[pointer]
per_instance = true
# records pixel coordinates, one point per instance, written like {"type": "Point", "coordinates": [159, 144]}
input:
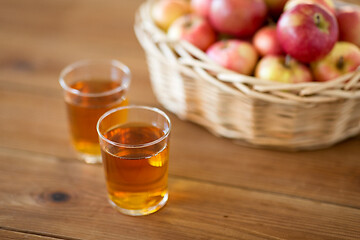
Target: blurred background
{"type": "Point", "coordinates": [37, 41]}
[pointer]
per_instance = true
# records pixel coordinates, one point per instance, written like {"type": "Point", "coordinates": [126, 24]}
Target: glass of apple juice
{"type": "Point", "coordinates": [135, 154]}
{"type": "Point", "coordinates": [92, 87]}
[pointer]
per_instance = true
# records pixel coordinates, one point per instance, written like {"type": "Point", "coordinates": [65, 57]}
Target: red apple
{"type": "Point", "coordinates": [201, 7]}
{"type": "Point", "coordinates": [237, 55]}
{"type": "Point", "coordinates": [165, 12]}
{"type": "Point", "coordinates": [307, 32]}
{"type": "Point", "coordinates": [349, 24]}
{"type": "Point", "coordinates": [237, 17]}
{"type": "Point", "coordinates": [266, 42]}
{"type": "Point", "coordinates": [281, 69]}
{"type": "Point", "coordinates": [194, 29]}
{"type": "Point", "coordinates": [344, 58]}
{"type": "Point", "coordinates": [327, 4]}
{"type": "Point", "coordinates": [275, 7]}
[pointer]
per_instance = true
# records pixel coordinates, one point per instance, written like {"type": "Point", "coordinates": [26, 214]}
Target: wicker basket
{"type": "Point", "coordinates": [266, 114]}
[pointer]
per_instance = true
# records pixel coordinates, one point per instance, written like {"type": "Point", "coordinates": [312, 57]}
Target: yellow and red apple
{"type": "Point", "coordinates": [266, 42]}
{"type": "Point", "coordinates": [194, 29]}
{"type": "Point", "coordinates": [282, 69]}
{"type": "Point", "coordinates": [344, 58]}
{"type": "Point", "coordinates": [240, 18]}
{"type": "Point", "coordinates": [165, 12]}
{"type": "Point", "coordinates": [327, 4]}
{"type": "Point", "coordinates": [237, 55]}
{"type": "Point", "coordinates": [307, 32]}
{"type": "Point", "coordinates": [201, 7]}
{"type": "Point", "coordinates": [349, 24]}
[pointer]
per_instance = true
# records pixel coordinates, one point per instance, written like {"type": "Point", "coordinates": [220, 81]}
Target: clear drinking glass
{"type": "Point", "coordinates": [135, 155]}
{"type": "Point", "coordinates": [92, 87]}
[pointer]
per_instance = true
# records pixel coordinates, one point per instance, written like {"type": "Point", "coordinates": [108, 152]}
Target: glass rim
{"type": "Point", "coordinates": [81, 63]}
{"type": "Point", "coordinates": [142, 145]}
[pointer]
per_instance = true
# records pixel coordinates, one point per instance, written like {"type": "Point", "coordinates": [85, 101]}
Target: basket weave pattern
{"type": "Point", "coordinates": [262, 113]}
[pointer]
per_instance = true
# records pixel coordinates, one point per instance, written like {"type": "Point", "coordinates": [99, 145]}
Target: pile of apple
{"type": "Point", "coordinates": [287, 41]}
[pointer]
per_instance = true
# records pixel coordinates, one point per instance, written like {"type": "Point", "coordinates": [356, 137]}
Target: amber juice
{"type": "Point", "coordinates": [84, 110]}
{"type": "Point", "coordinates": [136, 176]}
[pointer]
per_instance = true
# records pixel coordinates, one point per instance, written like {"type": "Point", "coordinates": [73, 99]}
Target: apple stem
{"type": "Point", "coordinates": [340, 63]}
{"type": "Point", "coordinates": [287, 61]}
{"type": "Point", "coordinates": [271, 22]}
{"type": "Point", "coordinates": [188, 24]}
{"type": "Point", "coordinates": [226, 44]}
{"type": "Point", "coordinates": [317, 20]}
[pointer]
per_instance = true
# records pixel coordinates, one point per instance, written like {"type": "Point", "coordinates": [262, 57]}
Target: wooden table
{"type": "Point", "coordinates": [218, 190]}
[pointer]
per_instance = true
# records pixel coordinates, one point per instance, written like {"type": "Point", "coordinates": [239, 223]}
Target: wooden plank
{"type": "Point", "coordinates": [38, 69]}
{"type": "Point", "coordinates": [37, 123]}
{"type": "Point", "coordinates": [196, 210]}
{"type": "Point", "coordinates": [35, 47]}
{"type": "Point", "coordinates": [11, 235]}
{"type": "Point", "coordinates": [34, 122]}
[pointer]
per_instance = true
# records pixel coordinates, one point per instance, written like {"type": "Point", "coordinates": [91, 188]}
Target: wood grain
{"type": "Point", "coordinates": [196, 210]}
{"type": "Point", "coordinates": [11, 235]}
{"type": "Point", "coordinates": [35, 47]}
{"type": "Point", "coordinates": [329, 175]}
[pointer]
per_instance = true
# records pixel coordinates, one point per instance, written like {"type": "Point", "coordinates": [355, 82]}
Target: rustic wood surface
{"type": "Point", "coordinates": [218, 190]}
{"type": "Point", "coordinates": [13, 235]}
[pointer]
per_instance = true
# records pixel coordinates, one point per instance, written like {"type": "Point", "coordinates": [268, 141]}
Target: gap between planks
{"type": "Point", "coordinates": [37, 234]}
